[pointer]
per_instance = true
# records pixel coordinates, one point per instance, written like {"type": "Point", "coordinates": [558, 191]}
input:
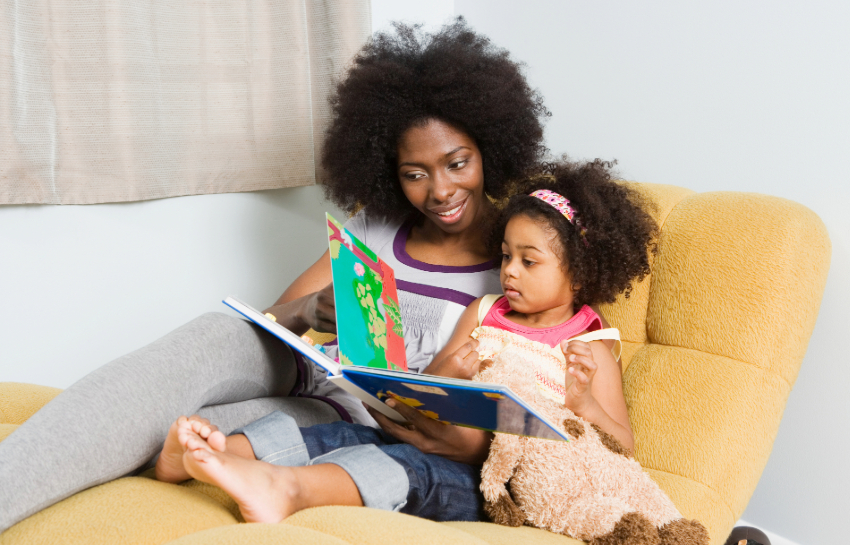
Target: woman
{"type": "Point", "coordinates": [425, 128]}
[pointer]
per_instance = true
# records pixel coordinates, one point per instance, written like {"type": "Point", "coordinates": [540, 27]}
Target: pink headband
{"type": "Point", "coordinates": [562, 205]}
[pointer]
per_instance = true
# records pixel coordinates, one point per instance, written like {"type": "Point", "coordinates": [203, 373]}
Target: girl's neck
{"type": "Point", "coordinates": [545, 318]}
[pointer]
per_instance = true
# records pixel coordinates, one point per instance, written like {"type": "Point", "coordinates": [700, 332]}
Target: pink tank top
{"type": "Point", "coordinates": [583, 320]}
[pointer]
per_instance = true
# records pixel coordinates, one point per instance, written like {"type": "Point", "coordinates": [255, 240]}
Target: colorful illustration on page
{"type": "Point", "coordinates": [368, 314]}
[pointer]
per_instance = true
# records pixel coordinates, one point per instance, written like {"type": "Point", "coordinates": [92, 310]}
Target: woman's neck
{"type": "Point", "coordinates": [428, 243]}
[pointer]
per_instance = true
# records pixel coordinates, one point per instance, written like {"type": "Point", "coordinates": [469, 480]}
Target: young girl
{"type": "Point", "coordinates": [571, 238]}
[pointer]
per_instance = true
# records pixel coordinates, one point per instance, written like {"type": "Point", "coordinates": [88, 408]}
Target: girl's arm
{"type": "Point", "coordinates": [595, 392]}
{"type": "Point", "coordinates": [458, 359]}
{"type": "Point", "coordinates": [308, 301]}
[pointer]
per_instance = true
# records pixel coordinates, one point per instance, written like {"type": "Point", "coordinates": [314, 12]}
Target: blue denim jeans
{"type": "Point", "coordinates": [389, 474]}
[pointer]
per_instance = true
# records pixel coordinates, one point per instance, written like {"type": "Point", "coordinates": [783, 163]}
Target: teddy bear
{"type": "Point", "coordinates": [589, 488]}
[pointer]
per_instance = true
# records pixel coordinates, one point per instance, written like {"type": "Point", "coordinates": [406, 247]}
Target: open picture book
{"type": "Point", "coordinates": [371, 362]}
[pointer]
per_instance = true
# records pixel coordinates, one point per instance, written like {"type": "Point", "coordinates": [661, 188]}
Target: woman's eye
{"type": "Point", "coordinates": [413, 176]}
{"type": "Point", "coordinates": [459, 164]}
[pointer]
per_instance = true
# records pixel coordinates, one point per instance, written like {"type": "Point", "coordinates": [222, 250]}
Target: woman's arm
{"type": "Point", "coordinates": [308, 301]}
{"type": "Point", "coordinates": [465, 445]}
{"type": "Point", "coordinates": [458, 359]}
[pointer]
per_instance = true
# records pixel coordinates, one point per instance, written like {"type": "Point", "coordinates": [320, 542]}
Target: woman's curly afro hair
{"type": "Point", "coordinates": [620, 234]}
{"type": "Point", "coordinates": [408, 77]}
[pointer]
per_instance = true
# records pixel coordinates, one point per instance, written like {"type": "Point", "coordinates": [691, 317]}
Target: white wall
{"type": "Point", "coordinates": [82, 285]}
{"type": "Point", "coordinates": [724, 95]}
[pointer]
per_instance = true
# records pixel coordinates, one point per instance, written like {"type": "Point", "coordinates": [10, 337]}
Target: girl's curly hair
{"type": "Point", "coordinates": [408, 77]}
{"type": "Point", "coordinates": [620, 233]}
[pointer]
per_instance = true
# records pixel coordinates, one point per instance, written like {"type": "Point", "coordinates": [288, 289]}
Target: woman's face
{"type": "Point", "coordinates": [441, 174]}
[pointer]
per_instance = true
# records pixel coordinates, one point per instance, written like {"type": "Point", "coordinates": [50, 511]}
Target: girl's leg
{"type": "Point", "coordinates": [388, 474]}
{"type": "Point", "coordinates": [334, 464]}
{"type": "Point", "coordinates": [439, 489]}
{"type": "Point", "coordinates": [265, 492]}
{"type": "Point", "coordinates": [115, 419]}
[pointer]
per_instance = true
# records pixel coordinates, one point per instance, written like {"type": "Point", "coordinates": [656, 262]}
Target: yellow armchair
{"type": "Point", "coordinates": [713, 341]}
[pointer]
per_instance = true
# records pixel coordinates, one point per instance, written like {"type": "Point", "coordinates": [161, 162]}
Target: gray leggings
{"type": "Point", "coordinates": [114, 421]}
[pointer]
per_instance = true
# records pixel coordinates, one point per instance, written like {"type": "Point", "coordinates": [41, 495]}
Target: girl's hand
{"type": "Point", "coordinates": [319, 310]}
{"type": "Point", "coordinates": [464, 445]}
{"type": "Point", "coordinates": [581, 368]}
{"type": "Point", "coordinates": [462, 363]}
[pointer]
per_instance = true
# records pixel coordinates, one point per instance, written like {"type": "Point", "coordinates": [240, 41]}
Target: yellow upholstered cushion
{"type": "Point", "coordinates": [362, 526]}
{"type": "Point", "coordinates": [697, 501]}
{"type": "Point", "coordinates": [132, 510]}
{"type": "Point", "coordinates": [704, 417]}
{"type": "Point", "coordinates": [502, 535]}
{"type": "Point", "coordinates": [740, 275]}
{"type": "Point", "coordinates": [258, 534]}
{"type": "Point", "coordinates": [20, 401]}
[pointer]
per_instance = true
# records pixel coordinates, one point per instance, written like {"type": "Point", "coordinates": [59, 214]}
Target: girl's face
{"type": "Point", "coordinates": [441, 174]}
{"type": "Point", "coordinates": [533, 277]}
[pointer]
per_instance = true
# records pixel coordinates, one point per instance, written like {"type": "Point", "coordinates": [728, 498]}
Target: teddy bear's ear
{"type": "Point", "coordinates": [573, 427]}
{"type": "Point", "coordinates": [611, 443]}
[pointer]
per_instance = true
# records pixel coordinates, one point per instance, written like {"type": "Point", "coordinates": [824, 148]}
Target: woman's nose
{"type": "Point", "coordinates": [442, 187]}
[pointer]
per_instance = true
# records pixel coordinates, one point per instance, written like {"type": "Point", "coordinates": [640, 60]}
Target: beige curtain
{"type": "Point", "coordinates": [126, 100]}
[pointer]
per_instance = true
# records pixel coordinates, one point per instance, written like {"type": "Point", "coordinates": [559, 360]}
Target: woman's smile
{"type": "Point", "coordinates": [450, 213]}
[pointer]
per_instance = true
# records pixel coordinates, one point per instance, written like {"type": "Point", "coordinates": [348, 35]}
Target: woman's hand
{"type": "Point", "coordinates": [319, 310]}
{"type": "Point", "coordinates": [462, 363]}
{"type": "Point", "coordinates": [581, 368]}
{"type": "Point", "coordinates": [464, 445]}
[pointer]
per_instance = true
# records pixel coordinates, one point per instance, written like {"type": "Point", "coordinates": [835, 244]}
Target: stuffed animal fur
{"type": "Point", "coordinates": [589, 488]}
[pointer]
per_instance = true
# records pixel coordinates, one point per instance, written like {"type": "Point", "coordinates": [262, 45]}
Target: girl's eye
{"type": "Point", "coordinates": [527, 262]}
{"type": "Point", "coordinates": [506, 257]}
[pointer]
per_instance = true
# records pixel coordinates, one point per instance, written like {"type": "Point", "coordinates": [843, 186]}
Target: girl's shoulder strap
{"type": "Point", "coordinates": [485, 305]}
{"type": "Point", "coordinates": [611, 333]}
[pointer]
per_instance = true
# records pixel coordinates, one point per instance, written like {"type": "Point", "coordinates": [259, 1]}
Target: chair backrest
{"type": "Point", "coordinates": [713, 341]}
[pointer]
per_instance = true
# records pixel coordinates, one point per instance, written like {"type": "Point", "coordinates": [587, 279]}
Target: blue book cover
{"type": "Point", "coordinates": [490, 407]}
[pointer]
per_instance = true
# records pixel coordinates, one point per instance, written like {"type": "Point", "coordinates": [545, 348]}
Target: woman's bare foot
{"type": "Point", "coordinates": [263, 492]}
{"type": "Point", "coordinates": [169, 466]}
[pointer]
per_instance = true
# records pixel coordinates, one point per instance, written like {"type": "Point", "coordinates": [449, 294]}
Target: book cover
{"type": "Point", "coordinates": [366, 302]}
{"type": "Point", "coordinates": [490, 407]}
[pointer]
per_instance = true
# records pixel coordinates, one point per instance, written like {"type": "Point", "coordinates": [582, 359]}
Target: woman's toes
{"type": "Point", "coordinates": [207, 430]}
{"type": "Point", "coordinates": [194, 443]}
{"type": "Point", "coordinates": [201, 455]}
{"type": "Point", "coordinates": [217, 441]}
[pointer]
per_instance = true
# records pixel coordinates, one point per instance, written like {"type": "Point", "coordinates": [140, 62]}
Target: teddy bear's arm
{"type": "Point", "coordinates": [505, 452]}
